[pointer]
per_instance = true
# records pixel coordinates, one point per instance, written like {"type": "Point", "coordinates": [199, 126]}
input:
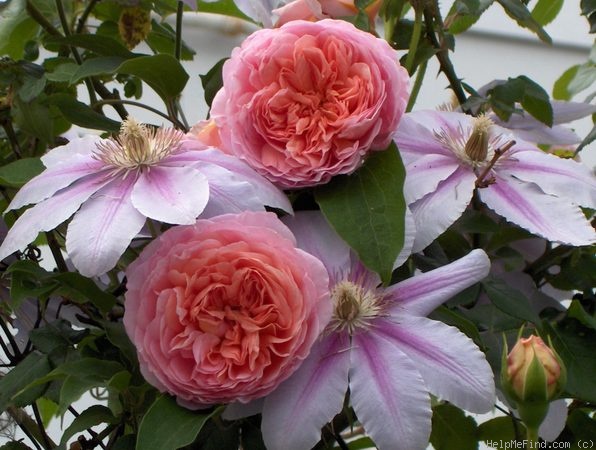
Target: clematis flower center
{"type": "Point", "coordinates": [472, 145]}
{"type": "Point", "coordinates": [354, 307]}
{"type": "Point", "coordinates": [138, 146]}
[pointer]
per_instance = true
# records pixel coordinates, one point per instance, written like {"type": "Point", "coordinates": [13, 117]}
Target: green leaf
{"type": "Point", "coordinates": [536, 101]}
{"type": "Point", "coordinates": [63, 73]}
{"type": "Point", "coordinates": [224, 7]}
{"type": "Point", "coordinates": [583, 79]}
{"type": "Point", "coordinates": [509, 300]}
{"type": "Point", "coordinates": [452, 429]}
{"type": "Point", "coordinates": [16, 28]}
{"type": "Point", "coordinates": [82, 115]}
{"type": "Point", "coordinates": [576, 345]}
{"type": "Point", "coordinates": [95, 415]}
{"type": "Point", "coordinates": [80, 289]}
{"type": "Point", "coordinates": [583, 427]}
{"type": "Point", "coordinates": [450, 317]}
{"type": "Point", "coordinates": [561, 86]}
{"type": "Point", "coordinates": [169, 426]}
{"type": "Point", "coordinates": [517, 10]}
{"type": "Point", "coordinates": [28, 281]}
{"type": "Point", "coordinates": [212, 81]}
{"type": "Point", "coordinates": [367, 209]}
{"type": "Point", "coordinates": [97, 43]}
{"type": "Point", "coordinates": [545, 11]}
{"type": "Point", "coordinates": [34, 118]}
{"type": "Point", "coordinates": [19, 172]}
{"type": "Point", "coordinates": [13, 384]}
{"type": "Point", "coordinates": [465, 13]}
{"type": "Point", "coordinates": [498, 429]}
{"type": "Point", "coordinates": [15, 445]}
{"type": "Point", "coordinates": [116, 334]}
{"type": "Point", "coordinates": [163, 73]}
{"type": "Point", "coordinates": [56, 337]}
{"type": "Point", "coordinates": [162, 39]}
{"type": "Point", "coordinates": [97, 66]}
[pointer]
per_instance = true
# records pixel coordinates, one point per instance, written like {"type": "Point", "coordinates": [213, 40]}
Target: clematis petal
{"type": "Point", "coordinates": [451, 365]}
{"type": "Point", "coordinates": [555, 420]}
{"type": "Point", "coordinates": [85, 145]}
{"type": "Point", "coordinates": [49, 213]}
{"type": "Point", "coordinates": [295, 412]}
{"type": "Point", "coordinates": [422, 293]}
{"type": "Point", "coordinates": [555, 176]}
{"type": "Point", "coordinates": [542, 134]}
{"type": "Point", "coordinates": [415, 136]}
{"type": "Point", "coordinates": [524, 204]}
{"type": "Point", "coordinates": [55, 178]}
{"type": "Point", "coordinates": [409, 238]}
{"type": "Point", "coordinates": [437, 211]}
{"type": "Point", "coordinates": [315, 236]}
{"type": "Point", "coordinates": [388, 394]}
{"type": "Point", "coordinates": [171, 194]}
{"type": "Point", "coordinates": [102, 229]}
{"type": "Point", "coordinates": [425, 173]}
{"type": "Point", "coordinates": [209, 159]}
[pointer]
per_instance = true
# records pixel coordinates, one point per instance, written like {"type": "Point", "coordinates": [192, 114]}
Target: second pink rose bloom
{"type": "Point", "coordinates": [308, 101]}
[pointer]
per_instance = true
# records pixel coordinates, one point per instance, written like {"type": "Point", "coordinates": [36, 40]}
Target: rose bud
{"type": "Point", "coordinates": [532, 375]}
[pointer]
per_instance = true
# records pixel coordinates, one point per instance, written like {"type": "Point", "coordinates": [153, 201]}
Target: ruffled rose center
{"type": "Point", "coordinates": [236, 314]}
{"type": "Point", "coordinates": [302, 112]}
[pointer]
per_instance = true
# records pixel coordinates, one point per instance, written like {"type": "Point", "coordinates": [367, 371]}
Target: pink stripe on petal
{"type": "Point", "coordinates": [424, 174]}
{"type": "Point", "coordinates": [422, 293]}
{"type": "Point", "coordinates": [524, 204]}
{"type": "Point", "coordinates": [171, 194]}
{"type": "Point", "coordinates": [555, 176]}
{"type": "Point", "coordinates": [451, 364]}
{"type": "Point", "coordinates": [388, 394]}
{"type": "Point", "coordinates": [52, 180]}
{"type": "Point", "coordinates": [295, 412]}
{"type": "Point", "coordinates": [102, 229]}
{"type": "Point", "coordinates": [50, 213]}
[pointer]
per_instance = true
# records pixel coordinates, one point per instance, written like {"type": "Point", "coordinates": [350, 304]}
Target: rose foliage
{"type": "Point", "coordinates": [315, 260]}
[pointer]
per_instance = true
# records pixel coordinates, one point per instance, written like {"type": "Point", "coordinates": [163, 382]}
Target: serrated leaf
{"type": "Point", "coordinates": [95, 415]}
{"type": "Point", "coordinates": [367, 209]}
{"type": "Point", "coordinates": [545, 11]}
{"type": "Point", "coordinates": [82, 115]}
{"type": "Point", "coordinates": [509, 300]}
{"type": "Point", "coordinates": [452, 429]}
{"type": "Point", "coordinates": [19, 172]}
{"type": "Point", "coordinates": [18, 378]}
{"type": "Point", "coordinates": [517, 10]}
{"type": "Point", "coordinates": [169, 426]}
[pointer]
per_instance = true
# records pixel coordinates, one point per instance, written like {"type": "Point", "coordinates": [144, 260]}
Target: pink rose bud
{"type": "Point", "coordinates": [532, 375]}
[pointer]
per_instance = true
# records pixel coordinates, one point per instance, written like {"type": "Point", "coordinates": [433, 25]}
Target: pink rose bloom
{"type": "Point", "coordinates": [314, 10]}
{"type": "Point", "coordinates": [226, 309]}
{"type": "Point", "coordinates": [309, 100]}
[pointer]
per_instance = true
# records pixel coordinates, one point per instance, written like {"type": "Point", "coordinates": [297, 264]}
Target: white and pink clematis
{"type": "Point", "coordinates": [380, 345]}
{"type": "Point", "coordinates": [449, 155]}
{"type": "Point", "coordinates": [144, 173]}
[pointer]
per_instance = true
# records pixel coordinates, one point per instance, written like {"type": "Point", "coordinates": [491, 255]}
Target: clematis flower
{"type": "Point", "coordinates": [380, 345]}
{"type": "Point", "coordinates": [144, 173]}
{"type": "Point", "coordinates": [323, 9]}
{"type": "Point", "coordinates": [449, 155]}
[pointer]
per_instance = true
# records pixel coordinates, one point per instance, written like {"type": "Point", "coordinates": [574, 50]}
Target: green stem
{"type": "Point", "coordinates": [56, 252]}
{"type": "Point", "coordinates": [119, 101]}
{"type": "Point", "coordinates": [46, 441]}
{"type": "Point", "coordinates": [414, 41]}
{"type": "Point", "coordinates": [532, 438]}
{"type": "Point", "coordinates": [179, 13]}
{"type": "Point", "coordinates": [430, 16]}
{"type": "Point", "coordinates": [83, 19]}
{"type": "Point", "coordinates": [12, 138]}
{"type": "Point", "coordinates": [417, 85]}
{"type": "Point", "coordinates": [41, 20]}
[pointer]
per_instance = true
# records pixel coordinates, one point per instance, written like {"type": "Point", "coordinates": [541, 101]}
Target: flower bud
{"type": "Point", "coordinates": [532, 375]}
{"type": "Point", "coordinates": [134, 25]}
